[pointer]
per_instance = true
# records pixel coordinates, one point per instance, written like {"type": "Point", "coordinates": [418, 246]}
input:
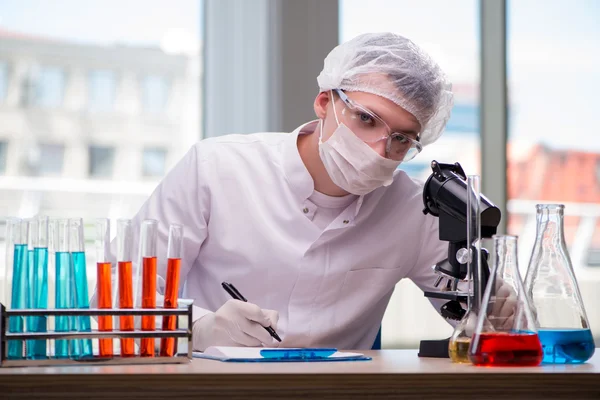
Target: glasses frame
{"type": "Point", "coordinates": [353, 105]}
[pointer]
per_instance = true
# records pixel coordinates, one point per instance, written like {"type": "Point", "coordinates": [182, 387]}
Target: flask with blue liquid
{"type": "Point", "coordinates": [551, 285]}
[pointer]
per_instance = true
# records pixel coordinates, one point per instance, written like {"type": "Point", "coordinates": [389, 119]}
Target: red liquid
{"type": "Point", "coordinates": [167, 345]}
{"type": "Point", "coordinates": [506, 349]}
{"type": "Point", "coordinates": [105, 301]}
{"type": "Point", "coordinates": [148, 301]}
{"type": "Point", "coordinates": [126, 301]}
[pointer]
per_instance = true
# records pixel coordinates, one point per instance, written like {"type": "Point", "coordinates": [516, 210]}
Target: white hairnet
{"type": "Point", "coordinates": [412, 79]}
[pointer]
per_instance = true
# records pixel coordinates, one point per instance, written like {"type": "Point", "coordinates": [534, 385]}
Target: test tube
{"type": "Point", "coordinates": [19, 230]}
{"type": "Point", "coordinates": [38, 280]}
{"type": "Point", "coordinates": [148, 235]}
{"type": "Point", "coordinates": [8, 258]}
{"type": "Point", "coordinates": [174, 253]}
{"type": "Point", "coordinates": [30, 322]}
{"type": "Point", "coordinates": [104, 282]}
{"type": "Point", "coordinates": [80, 283]}
{"type": "Point", "coordinates": [474, 242]}
{"type": "Point", "coordinates": [63, 297]}
{"type": "Point", "coordinates": [124, 263]}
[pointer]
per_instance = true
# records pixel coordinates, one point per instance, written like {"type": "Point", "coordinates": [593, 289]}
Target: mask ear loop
{"type": "Point", "coordinates": [333, 105]}
{"type": "Point", "coordinates": [320, 131]}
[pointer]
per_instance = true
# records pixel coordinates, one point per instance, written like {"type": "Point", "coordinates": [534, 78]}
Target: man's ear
{"type": "Point", "coordinates": [321, 103]}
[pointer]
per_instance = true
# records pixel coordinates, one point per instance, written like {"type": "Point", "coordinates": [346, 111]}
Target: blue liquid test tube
{"type": "Point", "coordinates": [79, 284]}
{"type": "Point", "coordinates": [38, 290]}
{"type": "Point", "coordinates": [17, 233]}
{"type": "Point", "coordinates": [62, 295]}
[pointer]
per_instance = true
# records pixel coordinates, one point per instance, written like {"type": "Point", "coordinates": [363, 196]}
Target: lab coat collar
{"type": "Point", "coordinates": [295, 171]}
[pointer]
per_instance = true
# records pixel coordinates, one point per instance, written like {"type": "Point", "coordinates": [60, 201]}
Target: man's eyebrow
{"type": "Point", "coordinates": [409, 132]}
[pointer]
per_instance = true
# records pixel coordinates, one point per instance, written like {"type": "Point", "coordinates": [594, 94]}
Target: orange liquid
{"type": "Point", "coordinates": [126, 301]}
{"type": "Point", "coordinates": [167, 345]}
{"type": "Point", "coordinates": [148, 301]}
{"type": "Point", "coordinates": [105, 301]}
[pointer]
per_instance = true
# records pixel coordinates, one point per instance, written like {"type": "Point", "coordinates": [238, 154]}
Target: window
{"type": "Point", "coordinates": [553, 143]}
{"type": "Point", "coordinates": [51, 159]}
{"type": "Point", "coordinates": [449, 32]}
{"type": "Point", "coordinates": [90, 57]}
{"type": "Point", "coordinates": [3, 156]}
{"type": "Point", "coordinates": [3, 80]}
{"type": "Point", "coordinates": [47, 86]}
{"type": "Point", "coordinates": [155, 93]}
{"type": "Point", "coordinates": [102, 161]}
{"type": "Point", "coordinates": [154, 162]}
{"type": "Point", "coordinates": [102, 89]}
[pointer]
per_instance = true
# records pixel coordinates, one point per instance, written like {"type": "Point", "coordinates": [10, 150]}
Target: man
{"type": "Point", "coordinates": [314, 227]}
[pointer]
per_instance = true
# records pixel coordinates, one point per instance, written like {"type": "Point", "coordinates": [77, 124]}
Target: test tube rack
{"type": "Point", "coordinates": [178, 358]}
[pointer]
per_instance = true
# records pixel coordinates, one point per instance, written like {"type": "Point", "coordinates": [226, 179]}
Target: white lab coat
{"type": "Point", "coordinates": [243, 200]}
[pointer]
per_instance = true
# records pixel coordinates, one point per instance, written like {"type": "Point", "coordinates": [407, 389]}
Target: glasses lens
{"type": "Point", "coordinates": [368, 127]}
{"type": "Point", "coordinates": [402, 148]}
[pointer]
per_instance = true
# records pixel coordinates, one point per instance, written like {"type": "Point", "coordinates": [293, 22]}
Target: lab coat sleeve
{"type": "Point", "coordinates": [432, 251]}
{"type": "Point", "coordinates": [182, 197]}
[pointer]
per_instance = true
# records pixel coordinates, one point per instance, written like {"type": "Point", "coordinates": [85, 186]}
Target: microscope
{"type": "Point", "coordinates": [445, 196]}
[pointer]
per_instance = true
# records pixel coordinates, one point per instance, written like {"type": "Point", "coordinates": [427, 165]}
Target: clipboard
{"type": "Point", "coordinates": [259, 354]}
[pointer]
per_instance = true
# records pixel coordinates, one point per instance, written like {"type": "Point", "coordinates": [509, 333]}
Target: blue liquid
{"type": "Point", "coordinates": [30, 291]}
{"type": "Point", "coordinates": [566, 346]}
{"type": "Point", "coordinates": [36, 349]}
{"type": "Point", "coordinates": [18, 300]}
{"type": "Point", "coordinates": [62, 299]}
{"type": "Point", "coordinates": [82, 300]}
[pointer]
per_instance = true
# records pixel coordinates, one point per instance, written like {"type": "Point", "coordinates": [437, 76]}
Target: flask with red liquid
{"type": "Point", "coordinates": [506, 333]}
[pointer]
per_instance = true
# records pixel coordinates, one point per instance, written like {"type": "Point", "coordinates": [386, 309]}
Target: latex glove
{"type": "Point", "coordinates": [504, 306]}
{"type": "Point", "coordinates": [236, 323]}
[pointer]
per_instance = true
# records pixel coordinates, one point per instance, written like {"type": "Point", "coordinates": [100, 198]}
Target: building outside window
{"type": "Point", "coordinates": [155, 93]}
{"type": "Point", "coordinates": [101, 161]}
{"type": "Point", "coordinates": [3, 80]}
{"type": "Point", "coordinates": [3, 155]}
{"type": "Point", "coordinates": [47, 86]}
{"type": "Point", "coordinates": [154, 161]}
{"type": "Point", "coordinates": [102, 87]}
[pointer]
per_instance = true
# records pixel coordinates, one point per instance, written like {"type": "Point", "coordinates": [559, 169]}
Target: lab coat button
{"type": "Point", "coordinates": [305, 210]}
{"type": "Point", "coordinates": [346, 221]}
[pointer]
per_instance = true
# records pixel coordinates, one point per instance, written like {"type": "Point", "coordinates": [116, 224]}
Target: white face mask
{"type": "Point", "coordinates": [352, 164]}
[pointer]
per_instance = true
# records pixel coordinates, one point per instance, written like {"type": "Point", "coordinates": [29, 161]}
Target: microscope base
{"type": "Point", "coordinates": [434, 348]}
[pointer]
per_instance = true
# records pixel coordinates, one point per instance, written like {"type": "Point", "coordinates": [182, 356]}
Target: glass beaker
{"type": "Point", "coordinates": [458, 346]}
{"type": "Point", "coordinates": [506, 333]}
{"type": "Point", "coordinates": [551, 285]}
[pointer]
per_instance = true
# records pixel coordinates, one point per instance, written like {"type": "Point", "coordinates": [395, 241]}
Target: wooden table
{"type": "Point", "coordinates": [391, 374]}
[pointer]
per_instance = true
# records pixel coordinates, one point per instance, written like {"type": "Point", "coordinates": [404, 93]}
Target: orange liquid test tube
{"type": "Point", "coordinates": [149, 234]}
{"type": "Point", "coordinates": [104, 279]}
{"type": "Point", "coordinates": [174, 253]}
{"type": "Point", "coordinates": [124, 264]}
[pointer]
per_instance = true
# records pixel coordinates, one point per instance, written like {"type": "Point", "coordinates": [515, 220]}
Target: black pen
{"type": "Point", "coordinates": [233, 292]}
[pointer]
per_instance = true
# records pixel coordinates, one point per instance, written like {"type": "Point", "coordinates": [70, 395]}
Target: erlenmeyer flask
{"type": "Point", "coordinates": [506, 333]}
{"type": "Point", "coordinates": [552, 288]}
